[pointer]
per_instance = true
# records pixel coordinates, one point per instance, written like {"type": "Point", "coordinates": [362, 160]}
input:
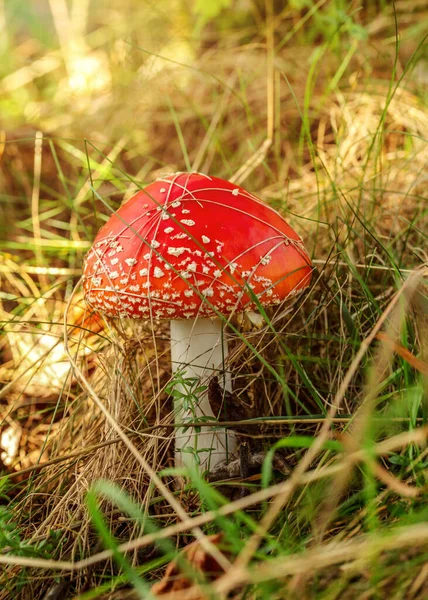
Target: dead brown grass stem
{"type": "Point", "coordinates": [270, 69]}
{"type": "Point", "coordinates": [35, 199]}
{"type": "Point", "coordinates": [417, 437]}
{"type": "Point", "coordinates": [251, 163]}
{"type": "Point", "coordinates": [392, 483]}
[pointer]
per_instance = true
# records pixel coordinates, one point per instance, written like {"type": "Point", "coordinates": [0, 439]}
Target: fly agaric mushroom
{"type": "Point", "coordinates": [190, 248]}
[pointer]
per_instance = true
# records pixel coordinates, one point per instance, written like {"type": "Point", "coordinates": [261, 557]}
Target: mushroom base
{"type": "Point", "coordinates": [198, 349]}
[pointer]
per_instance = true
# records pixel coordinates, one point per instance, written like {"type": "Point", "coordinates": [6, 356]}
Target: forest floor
{"type": "Point", "coordinates": [317, 108]}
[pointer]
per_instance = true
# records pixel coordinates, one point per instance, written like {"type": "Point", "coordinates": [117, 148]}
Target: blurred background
{"type": "Point", "coordinates": [287, 97]}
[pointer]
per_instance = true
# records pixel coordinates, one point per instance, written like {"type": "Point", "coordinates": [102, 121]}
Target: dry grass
{"type": "Point", "coordinates": [330, 129]}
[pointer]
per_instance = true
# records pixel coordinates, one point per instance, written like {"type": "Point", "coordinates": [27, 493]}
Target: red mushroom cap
{"type": "Point", "coordinates": [188, 244]}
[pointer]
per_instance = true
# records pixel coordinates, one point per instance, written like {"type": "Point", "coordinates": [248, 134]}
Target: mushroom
{"type": "Point", "coordinates": [194, 249]}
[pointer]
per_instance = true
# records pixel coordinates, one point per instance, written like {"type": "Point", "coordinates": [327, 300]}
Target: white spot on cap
{"type": "Point", "coordinates": [114, 274]}
{"type": "Point", "coordinates": [165, 216]}
{"type": "Point", "coordinates": [114, 261]}
{"type": "Point", "coordinates": [147, 256]}
{"type": "Point", "coordinates": [134, 288]}
{"type": "Point", "coordinates": [188, 293]}
{"type": "Point", "coordinates": [130, 261]}
{"type": "Point", "coordinates": [185, 211]}
{"type": "Point", "coordinates": [205, 239]}
{"type": "Point", "coordinates": [169, 230]}
{"type": "Point", "coordinates": [162, 190]}
{"type": "Point", "coordinates": [155, 244]}
{"type": "Point", "coordinates": [176, 251]}
{"type": "Point", "coordinates": [157, 272]}
{"type": "Point", "coordinates": [217, 273]}
{"type": "Point", "coordinates": [188, 222]}
{"type": "Point", "coordinates": [235, 192]}
{"type": "Point", "coordinates": [208, 292]}
{"type": "Point", "coordinates": [144, 272]}
{"type": "Point", "coordinates": [265, 260]}
{"type": "Point", "coordinates": [192, 267]}
{"type": "Point", "coordinates": [176, 203]}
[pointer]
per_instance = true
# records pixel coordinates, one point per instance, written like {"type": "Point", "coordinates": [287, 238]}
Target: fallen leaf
{"type": "Point", "coordinates": [199, 561]}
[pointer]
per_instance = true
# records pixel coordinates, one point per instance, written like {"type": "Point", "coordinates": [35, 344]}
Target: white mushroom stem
{"type": "Point", "coordinates": [198, 348]}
